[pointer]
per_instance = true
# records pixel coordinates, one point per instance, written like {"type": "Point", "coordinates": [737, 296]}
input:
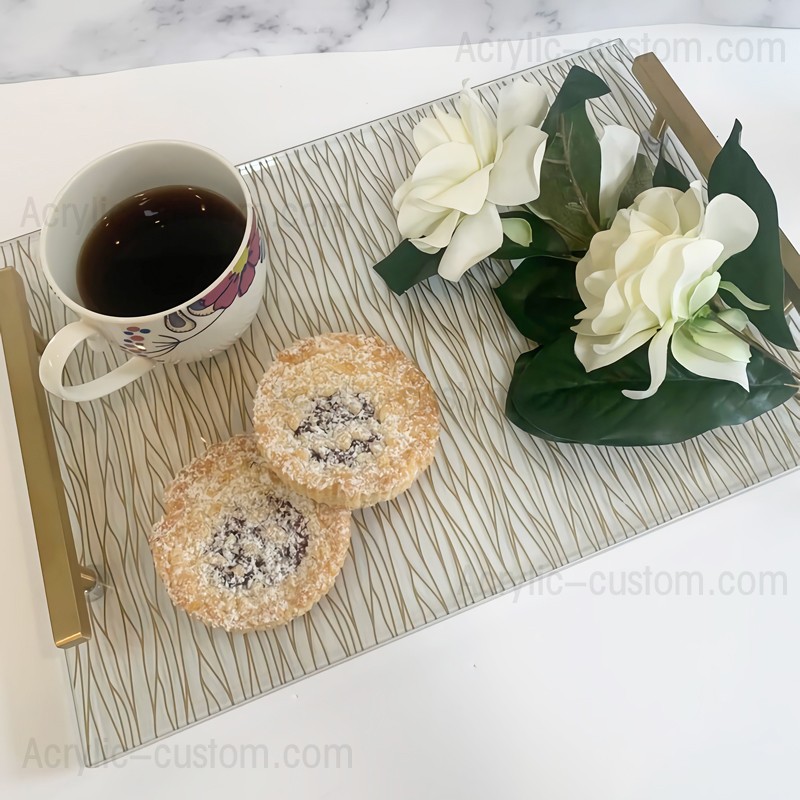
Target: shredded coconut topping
{"type": "Point", "coordinates": [340, 428]}
{"type": "Point", "coordinates": [243, 553]}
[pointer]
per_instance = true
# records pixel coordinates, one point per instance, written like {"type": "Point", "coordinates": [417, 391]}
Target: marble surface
{"type": "Point", "coordinates": [43, 38]}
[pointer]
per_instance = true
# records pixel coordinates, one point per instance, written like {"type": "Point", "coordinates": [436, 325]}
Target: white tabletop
{"type": "Point", "coordinates": [573, 689]}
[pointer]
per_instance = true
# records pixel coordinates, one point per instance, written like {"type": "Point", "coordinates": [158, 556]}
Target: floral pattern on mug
{"type": "Point", "coordinates": [239, 279]}
{"type": "Point", "coordinates": [134, 339]}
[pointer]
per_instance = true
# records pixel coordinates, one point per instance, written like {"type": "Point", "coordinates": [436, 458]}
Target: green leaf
{"type": "Point", "coordinates": [570, 179]}
{"type": "Point", "coordinates": [541, 297]}
{"type": "Point", "coordinates": [553, 397]}
{"type": "Point", "coordinates": [570, 176]}
{"type": "Point", "coordinates": [583, 157]}
{"type": "Point", "coordinates": [558, 201]}
{"type": "Point", "coordinates": [511, 410]}
{"type": "Point", "coordinates": [407, 266]}
{"type": "Point", "coordinates": [579, 86]}
{"type": "Point", "coordinates": [757, 271]}
{"type": "Point", "coordinates": [640, 180]}
{"type": "Point", "coordinates": [545, 239]}
{"type": "Point", "coordinates": [667, 175]}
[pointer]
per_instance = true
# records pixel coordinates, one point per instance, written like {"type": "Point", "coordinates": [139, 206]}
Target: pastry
{"type": "Point", "coordinates": [239, 550]}
{"type": "Point", "coordinates": [345, 419]}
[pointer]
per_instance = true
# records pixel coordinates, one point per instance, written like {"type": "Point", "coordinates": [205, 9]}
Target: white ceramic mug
{"type": "Point", "coordinates": [201, 326]}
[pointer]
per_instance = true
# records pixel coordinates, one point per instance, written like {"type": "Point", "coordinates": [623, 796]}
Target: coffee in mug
{"type": "Point", "coordinates": [175, 271]}
{"type": "Point", "coordinates": [157, 249]}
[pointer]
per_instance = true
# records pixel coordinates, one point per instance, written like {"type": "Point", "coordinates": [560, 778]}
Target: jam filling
{"type": "Point", "coordinates": [340, 428]}
{"type": "Point", "coordinates": [245, 554]}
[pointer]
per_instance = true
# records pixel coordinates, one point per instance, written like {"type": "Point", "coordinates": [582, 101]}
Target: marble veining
{"type": "Point", "coordinates": [40, 39]}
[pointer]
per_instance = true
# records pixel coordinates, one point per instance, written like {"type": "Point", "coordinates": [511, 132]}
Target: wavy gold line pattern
{"type": "Point", "coordinates": [497, 508]}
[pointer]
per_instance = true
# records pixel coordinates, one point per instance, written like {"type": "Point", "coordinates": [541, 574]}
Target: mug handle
{"type": "Point", "coordinates": [59, 349]}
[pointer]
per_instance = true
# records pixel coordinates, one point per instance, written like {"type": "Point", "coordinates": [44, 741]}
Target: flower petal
{"type": "Point", "coordinates": [720, 341]}
{"type": "Point", "coordinates": [520, 103]}
{"type": "Point", "coordinates": [640, 321]}
{"type": "Point", "coordinates": [699, 257]}
{"type": "Point", "coordinates": [657, 205]}
{"type": "Point", "coordinates": [479, 125]}
{"type": "Point", "coordinates": [467, 196]}
{"type": "Point", "coordinates": [422, 245]}
{"type": "Point", "coordinates": [418, 218]}
{"type": "Point", "coordinates": [734, 317]}
{"type": "Point", "coordinates": [224, 294]}
{"type": "Point", "coordinates": [618, 149]}
{"type": "Point", "coordinates": [178, 322]}
{"type": "Point", "coordinates": [419, 192]}
{"type": "Point", "coordinates": [596, 286]}
{"type": "Point", "coordinates": [591, 360]}
{"type": "Point", "coordinates": [452, 125]}
{"type": "Point", "coordinates": [660, 276]}
{"type": "Point", "coordinates": [657, 359]}
{"type": "Point", "coordinates": [440, 236]}
{"type": "Point", "coordinates": [708, 363]}
{"type": "Point", "coordinates": [730, 221]}
{"type": "Point", "coordinates": [429, 133]}
{"type": "Point", "coordinates": [476, 237]}
{"type": "Point", "coordinates": [246, 278]}
{"type": "Point", "coordinates": [691, 210]}
{"type": "Point", "coordinates": [703, 292]}
{"type": "Point", "coordinates": [727, 286]}
{"type": "Point", "coordinates": [518, 230]}
{"type": "Point", "coordinates": [451, 162]}
{"type": "Point", "coordinates": [514, 180]}
{"type": "Point", "coordinates": [401, 193]}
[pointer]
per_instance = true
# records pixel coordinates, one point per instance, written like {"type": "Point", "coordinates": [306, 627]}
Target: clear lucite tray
{"type": "Point", "coordinates": [497, 509]}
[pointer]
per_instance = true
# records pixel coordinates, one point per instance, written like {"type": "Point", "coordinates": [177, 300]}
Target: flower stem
{"type": "Point", "coordinates": [753, 343]}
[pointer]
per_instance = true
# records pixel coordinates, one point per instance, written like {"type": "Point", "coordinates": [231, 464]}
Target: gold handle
{"type": "Point", "coordinates": [673, 110]}
{"type": "Point", "coordinates": [66, 582]}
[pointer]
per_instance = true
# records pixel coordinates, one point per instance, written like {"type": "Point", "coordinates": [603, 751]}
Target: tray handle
{"type": "Point", "coordinates": [66, 582]}
{"type": "Point", "coordinates": [673, 110]}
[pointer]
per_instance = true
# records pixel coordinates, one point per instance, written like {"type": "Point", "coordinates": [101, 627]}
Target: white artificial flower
{"type": "Point", "coordinates": [619, 147]}
{"type": "Point", "coordinates": [650, 278]}
{"type": "Point", "coordinates": [470, 164]}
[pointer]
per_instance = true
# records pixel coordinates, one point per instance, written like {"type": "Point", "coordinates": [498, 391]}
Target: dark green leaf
{"type": "Point", "coordinates": [511, 411]}
{"type": "Point", "coordinates": [407, 266]}
{"type": "Point", "coordinates": [545, 238]}
{"type": "Point", "coordinates": [583, 156]}
{"type": "Point", "coordinates": [552, 396]}
{"type": "Point", "coordinates": [757, 271]}
{"type": "Point", "coordinates": [541, 297]}
{"type": "Point", "coordinates": [570, 179]}
{"type": "Point", "coordinates": [667, 175]}
{"type": "Point", "coordinates": [579, 86]}
{"type": "Point", "coordinates": [641, 179]}
{"type": "Point", "coordinates": [559, 201]}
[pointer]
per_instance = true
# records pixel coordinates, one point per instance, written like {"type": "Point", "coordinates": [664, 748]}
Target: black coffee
{"type": "Point", "coordinates": [157, 250]}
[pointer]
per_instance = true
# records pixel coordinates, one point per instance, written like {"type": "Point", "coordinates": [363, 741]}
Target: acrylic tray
{"type": "Point", "coordinates": [497, 509]}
